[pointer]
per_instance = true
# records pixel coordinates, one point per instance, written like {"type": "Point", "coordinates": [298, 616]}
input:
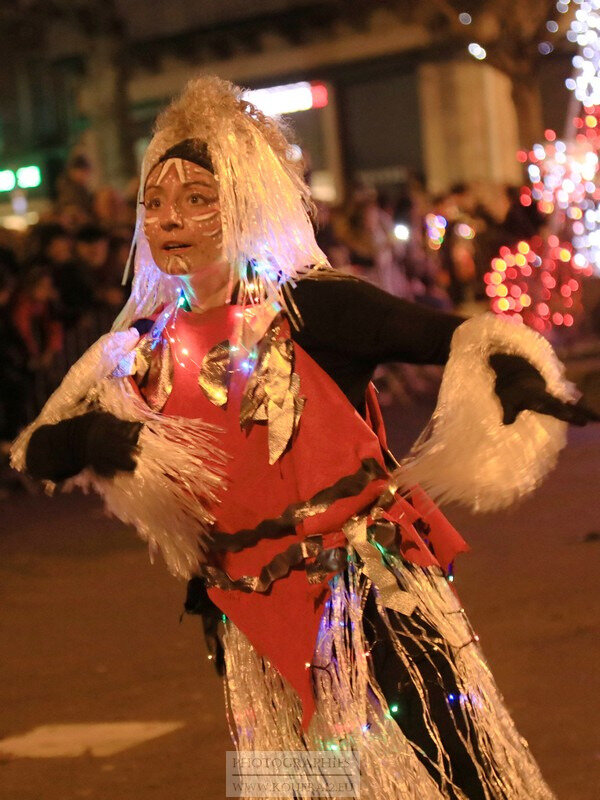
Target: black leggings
{"type": "Point", "coordinates": [433, 660]}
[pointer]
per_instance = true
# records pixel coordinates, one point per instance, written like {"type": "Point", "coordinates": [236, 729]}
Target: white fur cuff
{"type": "Point", "coordinates": [466, 454]}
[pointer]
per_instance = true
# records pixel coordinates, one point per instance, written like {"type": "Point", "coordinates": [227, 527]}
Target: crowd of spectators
{"type": "Point", "coordinates": [428, 249]}
{"type": "Point", "coordinates": [433, 250]}
{"type": "Point", "coordinates": [60, 280]}
{"type": "Point", "coordinates": [60, 288]}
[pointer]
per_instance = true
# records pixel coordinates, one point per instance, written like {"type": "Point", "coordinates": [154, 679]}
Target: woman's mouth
{"type": "Point", "coordinates": [175, 247]}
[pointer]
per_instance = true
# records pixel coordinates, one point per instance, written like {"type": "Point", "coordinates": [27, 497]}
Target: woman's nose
{"type": "Point", "coordinates": [171, 220]}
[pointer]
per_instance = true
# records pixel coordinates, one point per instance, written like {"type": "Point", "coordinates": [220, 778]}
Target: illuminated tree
{"type": "Point", "coordinates": [513, 36]}
{"type": "Point", "coordinates": [539, 283]}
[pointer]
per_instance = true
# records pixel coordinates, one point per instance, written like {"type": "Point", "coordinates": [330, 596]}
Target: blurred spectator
{"type": "Point", "coordinates": [367, 233]}
{"type": "Point", "coordinates": [72, 217]}
{"type": "Point", "coordinates": [93, 251]}
{"type": "Point", "coordinates": [91, 248]}
{"type": "Point", "coordinates": [8, 261]}
{"type": "Point", "coordinates": [97, 260]}
{"type": "Point", "coordinates": [14, 358]}
{"type": "Point", "coordinates": [34, 318]}
{"type": "Point", "coordinates": [110, 208]}
{"type": "Point", "coordinates": [325, 231]}
{"type": "Point", "coordinates": [457, 251]}
{"type": "Point", "coordinates": [72, 279]}
{"type": "Point", "coordinates": [73, 187]}
{"type": "Point", "coordinates": [113, 293]}
{"type": "Point", "coordinates": [56, 246]}
{"type": "Point", "coordinates": [521, 222]}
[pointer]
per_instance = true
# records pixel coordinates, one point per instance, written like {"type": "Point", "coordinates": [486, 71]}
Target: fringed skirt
{"type": "Point", "coordinates": [412, 695]}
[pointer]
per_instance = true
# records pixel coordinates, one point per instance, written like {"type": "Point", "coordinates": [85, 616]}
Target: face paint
{"type": "Point", "coordinates": [183, 220]}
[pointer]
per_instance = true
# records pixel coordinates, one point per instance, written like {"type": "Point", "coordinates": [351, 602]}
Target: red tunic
{"type": "Point", "coordinates": [332, 442]}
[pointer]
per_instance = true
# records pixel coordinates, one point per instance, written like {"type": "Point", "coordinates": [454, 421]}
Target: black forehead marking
{"type": "Point", "coordinates": [193, 150]}
{"type": "Point", "coordinates": [186, 183]}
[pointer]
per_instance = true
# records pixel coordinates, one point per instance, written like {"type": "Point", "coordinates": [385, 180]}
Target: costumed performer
{"type": "Point", "coordinates": [230, 417]}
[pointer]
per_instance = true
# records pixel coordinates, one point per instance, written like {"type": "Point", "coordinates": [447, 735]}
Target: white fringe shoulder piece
{"type": "Point", "coordinates": [179, 464]}
{"type": "Point", "coordinates": [466, 454]}
{"type": "Point", "coordinates": [71, 396]}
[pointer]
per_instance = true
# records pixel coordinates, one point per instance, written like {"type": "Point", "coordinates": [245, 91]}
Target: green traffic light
{"type": "Point", "coordinates": [29, 177]}
{"type": "Point", "coordinates": [7, 180]}
{"type": "Point", "coordinates": [25, 178]}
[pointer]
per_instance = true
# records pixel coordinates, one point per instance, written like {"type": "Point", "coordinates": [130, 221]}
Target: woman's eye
{"type": "Point", "coordinates": [196, 198]}
{"type": "Point", "coordinates": [154, 202]}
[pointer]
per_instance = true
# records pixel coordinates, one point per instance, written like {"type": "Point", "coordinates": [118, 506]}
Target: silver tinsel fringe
{"type": "Point", "coordinates": [351, 713]}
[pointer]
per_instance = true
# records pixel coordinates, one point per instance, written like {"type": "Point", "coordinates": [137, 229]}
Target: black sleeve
{"type": "Point", "coordinates": [353, 317]}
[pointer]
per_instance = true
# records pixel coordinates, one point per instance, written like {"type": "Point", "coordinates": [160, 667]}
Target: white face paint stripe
{"type": "Point", "coordinates": [178, 265]}
{"type": "Point", "coordinates": [179, 166]}
{"type": "Point", "coordinates": [206, 215]}
{"type": "Point", "coordinates": [212, 230]}
{"type": "Point", "coordinates": [163, 171]}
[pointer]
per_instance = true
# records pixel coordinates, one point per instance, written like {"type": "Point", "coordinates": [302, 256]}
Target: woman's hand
{"type": "Point", "coordinates": [520, 386]}
{"type": "Point", "coordinates": [97, 439]}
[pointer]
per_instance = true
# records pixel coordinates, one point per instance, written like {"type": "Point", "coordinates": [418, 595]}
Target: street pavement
{"type": "Point", "coordinates": [90, 636]}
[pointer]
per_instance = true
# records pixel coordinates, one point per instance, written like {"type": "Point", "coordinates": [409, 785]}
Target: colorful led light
{"type": "Point", "coordinates": [534, 283]}
{"type": "Point", "coordinates": [435, 227]}
{"type": "Point", "coordinates": [585, 31]}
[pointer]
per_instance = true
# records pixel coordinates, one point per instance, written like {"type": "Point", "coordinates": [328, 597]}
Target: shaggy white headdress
{"type": "Point", "coordinates": [268, 237]}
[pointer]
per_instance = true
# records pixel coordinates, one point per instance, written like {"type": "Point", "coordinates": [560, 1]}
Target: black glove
{"type": "Point", "coordinates": [96, 439]}
{"type": "Point", "coordinates": [520, 386]}
{"type": "Point", "coordinates": [198, 602]}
